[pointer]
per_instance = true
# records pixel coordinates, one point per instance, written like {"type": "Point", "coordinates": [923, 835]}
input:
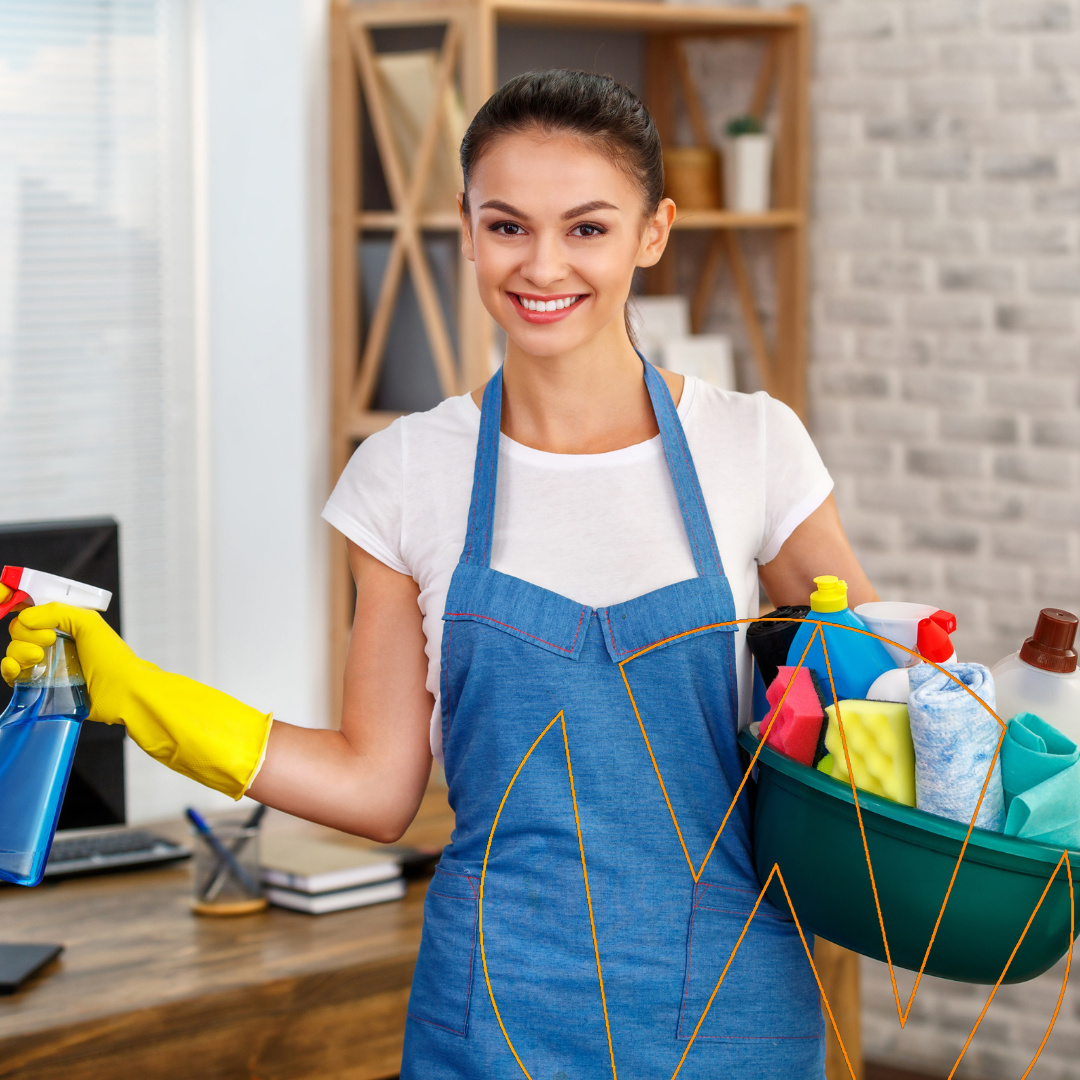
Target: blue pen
{"type": "Point", "coordinates": [220, 850]}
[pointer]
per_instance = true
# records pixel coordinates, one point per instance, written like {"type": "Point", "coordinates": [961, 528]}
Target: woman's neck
{"type": "Point", "coordinates": [590, 401]}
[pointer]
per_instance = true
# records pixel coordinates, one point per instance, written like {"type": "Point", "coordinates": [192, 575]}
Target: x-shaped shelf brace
{"type": "Point", "coordinates": [407, 196]}
{"type": "Point", "coordinates": [725, 241]}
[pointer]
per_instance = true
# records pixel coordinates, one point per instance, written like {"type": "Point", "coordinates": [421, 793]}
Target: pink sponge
{"type": "Point", "coordinates": [796, 731]}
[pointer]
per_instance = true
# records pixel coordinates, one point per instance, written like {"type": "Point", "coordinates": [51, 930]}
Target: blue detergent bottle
{"type": "Point", "coordinates": [39, 730]}
{"type": "Point", "coordinates": [856, 659]}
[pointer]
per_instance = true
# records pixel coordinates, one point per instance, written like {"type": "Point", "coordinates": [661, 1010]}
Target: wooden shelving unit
{"type": "Point", "coordinates": [467, 63]}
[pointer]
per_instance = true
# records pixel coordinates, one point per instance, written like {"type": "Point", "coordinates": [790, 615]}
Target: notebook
{"type": "Point", "coordinates": [320, 866]}
{"type": "Point", "coordinates": [339, 900]}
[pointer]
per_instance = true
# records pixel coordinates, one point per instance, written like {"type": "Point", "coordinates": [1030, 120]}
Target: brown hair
{"type": "Point", "coordinates": [595, 107]}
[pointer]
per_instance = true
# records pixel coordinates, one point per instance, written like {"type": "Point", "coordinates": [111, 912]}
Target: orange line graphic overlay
{"type": "Point", "coordinates": [902, 1013]}
{"type": "Point", "coordinates": [483, 875]}
{"type": "Point", "coordinates": [559, 718]}
{"type": "Point", "coordinates": [588, 897]}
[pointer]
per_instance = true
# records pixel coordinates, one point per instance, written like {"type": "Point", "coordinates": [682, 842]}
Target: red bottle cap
{"type": "Point", "coordinates": [933, 641]}
{"type": "Point", "coordinates": [1050, 648]}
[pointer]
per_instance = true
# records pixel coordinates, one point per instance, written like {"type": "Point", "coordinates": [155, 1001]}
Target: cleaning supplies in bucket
{"type": "Point", "coordinates": [879, 747]}
{"type": "Point", "coordinates": [1042, 678]}
{"type": "Point", "coordinates": [769, 638]}
{"type": "Point", "coordinates": [1040, 774]}
{"type": "Point", "coordinates": [921, 627]}
{"type": "Point", "coordinates": [955, 739]}
{"type": "Point", "coordinates": [793, 724]}
{"type": "Point", "coordinates": [856, 659]}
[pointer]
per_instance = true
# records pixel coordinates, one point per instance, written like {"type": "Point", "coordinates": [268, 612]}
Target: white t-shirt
{"type": "Point", "coordinates": [597, 528]}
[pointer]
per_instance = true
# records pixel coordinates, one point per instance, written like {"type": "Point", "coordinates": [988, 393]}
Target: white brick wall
{"type": "Point", "coordinates": [945, 371]}
{"type": "Point", "coordinates": [946, 302]}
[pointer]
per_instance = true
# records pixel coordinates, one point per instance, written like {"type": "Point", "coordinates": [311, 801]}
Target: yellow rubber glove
{"type": "Point", "coordinates": [191, 728]}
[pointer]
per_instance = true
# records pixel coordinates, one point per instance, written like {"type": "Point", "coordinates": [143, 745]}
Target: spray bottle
{"type": "Point", "coordinates": [40, 728]}
{"type": "Point", "coordinates": [856, 660]}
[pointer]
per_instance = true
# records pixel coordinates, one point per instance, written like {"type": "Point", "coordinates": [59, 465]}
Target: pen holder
{"type": "Point", "coordinates": [227, 886]}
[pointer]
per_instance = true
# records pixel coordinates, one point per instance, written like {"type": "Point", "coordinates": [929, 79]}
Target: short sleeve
{"type": "Point", "coordinates": [366, 504]}
{"type": "Point", "coordinates": [796, 480]}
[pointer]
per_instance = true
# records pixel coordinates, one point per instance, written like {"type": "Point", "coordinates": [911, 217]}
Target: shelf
{"type": "Point", "coordinates": [642, 15]}
{"type": "Point", "coordinates": [389, 220]}
{"type": "Point", "coordinates": [636, 15]}
{"type": "Point", "coordinates": [727, 219]}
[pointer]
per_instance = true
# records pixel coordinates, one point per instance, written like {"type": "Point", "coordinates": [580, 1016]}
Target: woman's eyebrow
{"type": "Point", "coordinates": [504, 207]}
{"type": "Point", "coordinates": [577, 211]}
{"type": "Point", "coordinates": [588, 208]}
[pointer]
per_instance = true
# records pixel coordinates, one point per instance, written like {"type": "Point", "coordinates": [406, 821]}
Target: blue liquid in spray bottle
{"type": "Point", "coordinates": [39, 731]}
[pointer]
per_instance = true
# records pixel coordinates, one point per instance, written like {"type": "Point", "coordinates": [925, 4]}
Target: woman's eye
{"type": "Point", "coordinates": [507, 228]}
{"type": "Point", "coordinates": [587, 230]}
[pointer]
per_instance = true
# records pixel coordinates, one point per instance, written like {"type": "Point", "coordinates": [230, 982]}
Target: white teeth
{"type": "Point", "coordinates": [548, 305]}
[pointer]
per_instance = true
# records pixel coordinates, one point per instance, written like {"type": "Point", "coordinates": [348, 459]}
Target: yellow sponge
{"type": "Point", "coordinates": [879, 745]}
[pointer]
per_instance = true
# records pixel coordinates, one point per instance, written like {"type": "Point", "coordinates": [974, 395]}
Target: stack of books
{"type": "Point", "coordinates": [317, 876]}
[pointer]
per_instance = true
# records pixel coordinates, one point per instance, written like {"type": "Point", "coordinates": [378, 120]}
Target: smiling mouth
{"type": "Point", "coordinates": [547, 305]}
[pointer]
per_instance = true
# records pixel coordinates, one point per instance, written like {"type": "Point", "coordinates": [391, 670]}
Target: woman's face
{"type": "Point", "coordinates": [555, 231]}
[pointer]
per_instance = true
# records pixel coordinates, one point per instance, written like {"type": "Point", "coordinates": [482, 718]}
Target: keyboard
{"type": "Point", "coordinates": [120, 850]}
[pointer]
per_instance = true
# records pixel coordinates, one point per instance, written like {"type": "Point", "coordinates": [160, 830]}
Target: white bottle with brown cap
{"type": "Point", "coordinates": [1042, 677]}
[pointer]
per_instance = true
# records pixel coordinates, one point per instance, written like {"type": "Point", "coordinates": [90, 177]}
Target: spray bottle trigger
{"type": "Point", "coordinates": [933, 640]}
{"type": "Point", "coordinates": [15, 602]}
{"type": "Point", "coordinates": [946, 620]}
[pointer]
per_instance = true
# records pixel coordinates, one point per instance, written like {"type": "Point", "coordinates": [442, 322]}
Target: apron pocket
{"type": "Point", "coordinates": [442, 981]}
{"type": "Point", "coordinates": [769, 992]}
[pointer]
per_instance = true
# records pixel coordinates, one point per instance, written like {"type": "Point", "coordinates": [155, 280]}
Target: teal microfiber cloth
{"type": "Point", "coordinates": [1040, 773]}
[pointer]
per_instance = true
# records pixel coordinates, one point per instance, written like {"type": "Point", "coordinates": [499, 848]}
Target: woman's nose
{"type": "Point", "coordinates": [544, 263]}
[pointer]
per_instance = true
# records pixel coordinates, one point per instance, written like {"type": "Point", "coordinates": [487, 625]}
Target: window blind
{"type": "Point", "coordinates": [94, 414]}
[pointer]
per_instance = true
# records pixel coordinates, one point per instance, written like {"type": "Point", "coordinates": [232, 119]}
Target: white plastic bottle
{"type": "Point", "coordinates": [1042, 678]}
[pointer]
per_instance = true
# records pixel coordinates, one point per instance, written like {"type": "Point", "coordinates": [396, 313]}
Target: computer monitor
{"type": "Point", "coordinates": [87, 550]}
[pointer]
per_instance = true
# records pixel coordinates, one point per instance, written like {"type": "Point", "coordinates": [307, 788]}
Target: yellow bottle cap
{"type": "Point", "coordinates": [831, 594]}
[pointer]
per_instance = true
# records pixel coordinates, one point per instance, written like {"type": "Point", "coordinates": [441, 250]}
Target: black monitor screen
{"type": "Point", "coordinates": [86, 550]}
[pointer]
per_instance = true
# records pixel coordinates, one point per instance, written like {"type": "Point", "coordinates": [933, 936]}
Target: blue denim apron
{"type": "Point", "coordinates": [578, 923]}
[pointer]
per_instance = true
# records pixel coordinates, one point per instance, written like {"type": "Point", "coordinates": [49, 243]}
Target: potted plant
{"type": "Point", "coordinates": [748, 166]}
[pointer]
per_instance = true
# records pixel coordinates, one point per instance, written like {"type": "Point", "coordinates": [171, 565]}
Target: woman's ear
{"type": "Point", "coordinates": [466, 229]}
{"type": "Point", "coordinates": [654, 238]}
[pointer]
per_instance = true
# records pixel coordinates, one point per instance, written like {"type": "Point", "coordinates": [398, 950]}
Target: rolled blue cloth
{"type": "Point", "coordinates": [1040, 771]}
{"type": "Point", "coordinates": [955, 739]}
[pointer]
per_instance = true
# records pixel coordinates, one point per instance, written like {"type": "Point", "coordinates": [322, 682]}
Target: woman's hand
{"type": "Point", "coordinates": [191, 728]}
{"type": "Point", "coordinates": [369, 777]}
{"type": "Point", "coordinates": [818, 546]}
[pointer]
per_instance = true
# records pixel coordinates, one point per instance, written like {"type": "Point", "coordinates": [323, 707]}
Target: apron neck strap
{"type": "Point", "coordinates": [699, 531]}
{"type": "Point", "coordinates": [684, 476]}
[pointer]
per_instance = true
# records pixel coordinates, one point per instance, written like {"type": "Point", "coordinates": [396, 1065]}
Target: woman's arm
{"type": "Point", "coordinates": [369, 777]}
{"type": "Point", "coordinates": [818, 546]}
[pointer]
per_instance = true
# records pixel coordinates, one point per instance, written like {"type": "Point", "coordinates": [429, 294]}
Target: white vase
{"type": "Point", "coordinates": [747, 173]}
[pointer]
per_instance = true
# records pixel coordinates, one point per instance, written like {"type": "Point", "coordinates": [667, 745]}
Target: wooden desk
{"type": "Point", "coordinates": [146, 989]}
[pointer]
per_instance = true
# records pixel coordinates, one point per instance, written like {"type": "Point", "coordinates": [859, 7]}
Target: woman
{"type": "Point", "coordinates": [576, 609]}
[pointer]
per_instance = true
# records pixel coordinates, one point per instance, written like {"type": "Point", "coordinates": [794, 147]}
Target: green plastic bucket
{"type": "Point", "coordinates": [805, 822]}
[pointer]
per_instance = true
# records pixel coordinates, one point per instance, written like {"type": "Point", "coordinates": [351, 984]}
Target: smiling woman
{"type": "Point", "coordinates": [549, 573]}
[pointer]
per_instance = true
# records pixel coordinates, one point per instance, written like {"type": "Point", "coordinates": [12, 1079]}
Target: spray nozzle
{"type": "Point", "coordinates": [933, 641]}
{"type": "Point", "coordinates": [32, 587]}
